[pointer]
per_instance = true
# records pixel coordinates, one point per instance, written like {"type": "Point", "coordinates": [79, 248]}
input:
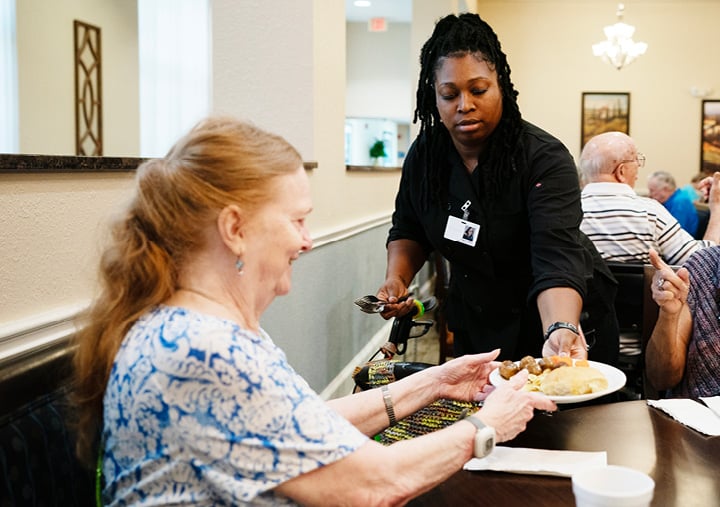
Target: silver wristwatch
{"type": "Point", "coordinates": [484, 437]}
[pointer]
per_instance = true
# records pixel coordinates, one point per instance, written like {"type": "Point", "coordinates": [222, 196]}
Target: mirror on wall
{"type": "Point", "coordinates": [379, 83]}
{"type": "Point", "coordinates": [152, 52]}
{"type": "Point", "coordinates": [45, 74]}
{"type": "Point", "coordinates": [375, 142]}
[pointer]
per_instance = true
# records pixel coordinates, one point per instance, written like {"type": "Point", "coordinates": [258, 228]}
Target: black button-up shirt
{"type": "Point", "coordinates": [528, 241]}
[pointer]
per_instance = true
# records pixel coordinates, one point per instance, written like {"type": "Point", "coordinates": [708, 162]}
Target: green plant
{"type": "Point", "coordinates": [377, 150]}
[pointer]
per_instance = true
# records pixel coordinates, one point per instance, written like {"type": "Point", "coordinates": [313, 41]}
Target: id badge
{"type": "Point", "coordinates": [462, 231]}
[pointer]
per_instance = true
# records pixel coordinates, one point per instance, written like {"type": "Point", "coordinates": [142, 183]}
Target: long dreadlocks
{"type": "Point", "coordinates": [456, 36]}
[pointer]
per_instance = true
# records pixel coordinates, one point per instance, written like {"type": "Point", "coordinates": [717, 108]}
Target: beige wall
{"type": "Point", "coordinates": [549, 49]}
{"type": "Point", "coordinates": [50, 226]}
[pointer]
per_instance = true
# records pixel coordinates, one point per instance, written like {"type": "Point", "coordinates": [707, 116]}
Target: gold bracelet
{"type": "Point", "coordinates": [388, 405]}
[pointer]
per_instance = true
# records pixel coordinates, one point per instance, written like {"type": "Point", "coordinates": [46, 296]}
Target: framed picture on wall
{"type": "Point", "coordinates": [710, 142]}
{"type": "Point", "coordinates": [604, 112]}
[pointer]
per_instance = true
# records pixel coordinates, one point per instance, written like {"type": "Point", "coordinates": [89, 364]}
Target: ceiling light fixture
{"type": "Point", "coordinates": [619, 49]}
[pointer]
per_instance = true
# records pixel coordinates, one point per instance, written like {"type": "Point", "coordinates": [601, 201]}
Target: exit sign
{"type": "Point", "coordinates": [377, 25]}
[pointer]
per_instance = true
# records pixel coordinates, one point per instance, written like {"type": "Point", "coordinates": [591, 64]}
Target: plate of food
{"type": "Point", "coordinates": [562, 379]}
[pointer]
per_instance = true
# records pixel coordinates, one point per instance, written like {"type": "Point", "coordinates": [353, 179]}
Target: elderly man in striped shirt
{"type": "Point", "coordinates": [624, 226]}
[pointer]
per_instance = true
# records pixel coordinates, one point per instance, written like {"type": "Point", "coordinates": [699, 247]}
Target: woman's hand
{"type": "Point", "coordinates": [562, 304]}
{"type": "Point", "coordinates": [466, 377]}
{"type": "Point", "coordinates": [392, 290]}
{"type": "Point", "coordinates": [564, 342]}
{"type": "Point", "coordinates": [709, 189]}
{"type": "Point", "coordinates": [508, 409]}
{"type": "Point", "coordinates": [669, 288]}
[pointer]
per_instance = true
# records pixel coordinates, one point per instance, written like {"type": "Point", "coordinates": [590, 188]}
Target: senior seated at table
{"type": "Point", "coordinates": [683, 354]}
{"type": "Point", "coordinates": [679, 202]}
{"type": "Point", "coordinates": [624, 226]}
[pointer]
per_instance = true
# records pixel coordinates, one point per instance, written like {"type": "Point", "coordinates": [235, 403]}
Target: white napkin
{"type": "Point", "coordinates": [713, 403]}
{"type": "Point", "coordinates": [690, 413]}
{"type": "Point", "coordinates": [521, 460]}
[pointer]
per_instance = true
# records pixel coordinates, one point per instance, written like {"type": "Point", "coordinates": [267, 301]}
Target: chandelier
{"type": "Point", "coordinates": [619, 49]}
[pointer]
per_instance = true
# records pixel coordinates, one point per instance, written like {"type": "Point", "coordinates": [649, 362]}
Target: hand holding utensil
{"type": "Point", "coordinates": [373, 304]}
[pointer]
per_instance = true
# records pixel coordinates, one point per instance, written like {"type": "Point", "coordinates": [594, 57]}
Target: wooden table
{"type": "Point", "coordinates": [684, 463]}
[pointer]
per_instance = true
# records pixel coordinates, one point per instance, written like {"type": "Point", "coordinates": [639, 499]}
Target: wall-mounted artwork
{"type": "Point", "coordinates": [710, 142]}
{"type": "Point", "coordinates": [88, 90]}
{"type": "Point", "coordinates": [604, 112]}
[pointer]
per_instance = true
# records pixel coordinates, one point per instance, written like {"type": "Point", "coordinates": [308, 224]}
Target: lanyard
{"type": "Point", "coordinates": [466, 210]}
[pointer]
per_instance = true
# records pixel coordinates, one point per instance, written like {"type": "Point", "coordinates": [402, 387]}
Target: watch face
{"type": "Point", "coordinates": [489, 445]}
{"type": "Point", "coordinates": [484, 442]}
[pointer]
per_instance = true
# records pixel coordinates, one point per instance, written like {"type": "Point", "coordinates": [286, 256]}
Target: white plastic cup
{"type": "Point", "coordinates": [612, 486]}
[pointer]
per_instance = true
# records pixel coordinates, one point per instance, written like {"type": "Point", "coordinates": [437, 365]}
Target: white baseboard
{"type": "Point", "coordinates": [38, 331]}
{"type": "Point", "coordinates": [333, 235]}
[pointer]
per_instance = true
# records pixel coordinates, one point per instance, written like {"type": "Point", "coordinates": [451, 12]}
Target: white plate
{"type": "Point", "coordinates": [616, 380]}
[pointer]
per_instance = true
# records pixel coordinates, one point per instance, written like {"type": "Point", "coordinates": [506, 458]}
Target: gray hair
{"type": "Point", "coordinates": [664, 178]}
{"type": "Point", "coordinates": [592, 165]}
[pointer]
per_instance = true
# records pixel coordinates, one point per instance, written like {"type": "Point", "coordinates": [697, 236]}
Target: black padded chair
{"type": "Point", "coordinates": [38, 466]}
{"type": "Point", "coordinates": [703, 213]}
{"type": "Point", "coordinates": [636, 313]}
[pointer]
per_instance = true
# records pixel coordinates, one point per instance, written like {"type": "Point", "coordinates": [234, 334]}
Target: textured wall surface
{"type": "Point", "coordinates": [263, 66]}
{"type": "Point", "coordinates": [50, 228]}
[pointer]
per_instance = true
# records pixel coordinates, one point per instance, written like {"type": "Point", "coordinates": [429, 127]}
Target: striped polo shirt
{"type": "Point", "coordinates": [624, 226]}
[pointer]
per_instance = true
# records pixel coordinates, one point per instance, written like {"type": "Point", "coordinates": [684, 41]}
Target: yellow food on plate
{"type": "Point", "coordinates": [572, 381]}
{"type": "Point", "coordinates": [557, 375]}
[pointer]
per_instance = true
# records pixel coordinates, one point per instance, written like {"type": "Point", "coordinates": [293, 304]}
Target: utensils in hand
{"type": "Point", "coordinates": [372, 304]}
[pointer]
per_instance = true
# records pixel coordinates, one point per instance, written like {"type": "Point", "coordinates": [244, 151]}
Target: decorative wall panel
{"type": "Point", "coordinates": [88, 90]}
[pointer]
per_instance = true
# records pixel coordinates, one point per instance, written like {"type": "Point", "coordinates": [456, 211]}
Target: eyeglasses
{"type": "Point", "coordinates": [639, 160]}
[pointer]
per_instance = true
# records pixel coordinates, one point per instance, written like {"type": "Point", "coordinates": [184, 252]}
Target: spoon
{"type": "Point", "coordinates": [373, 304]}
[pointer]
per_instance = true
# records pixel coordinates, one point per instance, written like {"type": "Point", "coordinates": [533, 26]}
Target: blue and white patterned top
{"type": "Point", "coordinates": [199, 411]}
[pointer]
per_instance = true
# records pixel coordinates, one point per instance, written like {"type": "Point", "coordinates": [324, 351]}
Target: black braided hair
{"type": "Point", "coordinates": [456, 36]}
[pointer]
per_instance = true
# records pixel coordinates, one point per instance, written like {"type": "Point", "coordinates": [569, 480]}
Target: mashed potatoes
{"type": "Point", "coordinates": [557, 376]}
{"type": "Point", "coordinates": [573, 380]}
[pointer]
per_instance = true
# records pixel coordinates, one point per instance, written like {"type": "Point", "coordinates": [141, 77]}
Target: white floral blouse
{"type": "Point", "coordinates": [200, 411]}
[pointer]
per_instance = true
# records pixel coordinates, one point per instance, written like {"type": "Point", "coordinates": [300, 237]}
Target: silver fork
{"type": "Point", "coordinates": [372, 304]}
